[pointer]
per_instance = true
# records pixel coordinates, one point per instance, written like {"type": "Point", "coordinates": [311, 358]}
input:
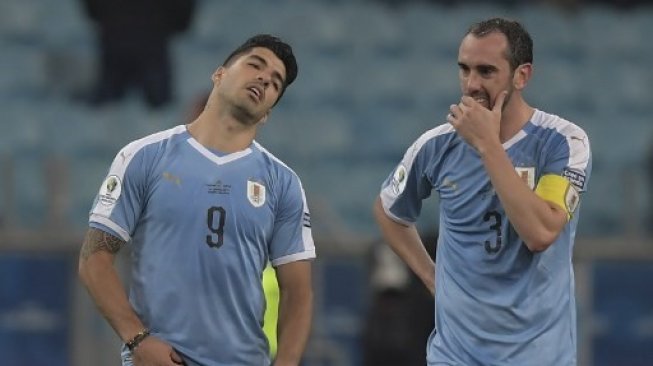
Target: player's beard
{"type": "Point", "coordinates": [483, 97]}
{"type": "Point", "coordinates": [244, 115]}
{"type": "Point", "coordinates": [244, 111]}
{"type": "Point", "coordinates": [510, 89]}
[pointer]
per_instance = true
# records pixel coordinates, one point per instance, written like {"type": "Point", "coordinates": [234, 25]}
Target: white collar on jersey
{"type": "Point", "coordinates": [215, 158]}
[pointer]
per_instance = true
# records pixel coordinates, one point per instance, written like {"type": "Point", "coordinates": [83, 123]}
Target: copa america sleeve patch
{"type": "Point", "coordinates": [110, 190]}
{"type": "Point", "coordinates": [558, 190]}
{"type": "Point", "coordinates": [399, 180]}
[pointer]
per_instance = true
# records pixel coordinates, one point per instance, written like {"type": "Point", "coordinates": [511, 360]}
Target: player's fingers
{"type": "Point", "coordinates": [454, 113]}
{"type": "Point", "coordinates": [176, 358]}
{"type": "Point", "coordinates": [454, 110]}
{"type": "Point", "coordinates": [498, 103]}
{"type": "Point", "coordinates": [458, 109]}
{"type": "Point", "coordinates": [466, 101]}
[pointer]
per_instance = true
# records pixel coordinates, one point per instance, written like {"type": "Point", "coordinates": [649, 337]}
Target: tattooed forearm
{"type": "Point", "coordinates": [98, 240]}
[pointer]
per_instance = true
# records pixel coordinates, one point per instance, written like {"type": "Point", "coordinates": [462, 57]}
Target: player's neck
{"type": "Point", "coordinates": [513, 118]}
{"type": "Point", "coordinates": [221, 133]}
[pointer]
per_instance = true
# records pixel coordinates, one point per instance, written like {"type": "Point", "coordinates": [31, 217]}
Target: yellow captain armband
{"type": "Point", "coordinates": [558, 190]}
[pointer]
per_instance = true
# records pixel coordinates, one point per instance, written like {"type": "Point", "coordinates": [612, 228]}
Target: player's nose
{"type": "Point", "coordinates": [473, 82]}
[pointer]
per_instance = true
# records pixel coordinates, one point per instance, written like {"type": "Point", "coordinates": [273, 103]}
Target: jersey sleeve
{"type": "Point", "coordinates": [566, 172]}
{"type": "Point", "coordinates": [404, 189]}
{"type": "Point", "coordinates": [571, 159]}
{"type": "Point", "coordinates": [118, 204]}
{"type": "Point", "coordinates": [292, 239]}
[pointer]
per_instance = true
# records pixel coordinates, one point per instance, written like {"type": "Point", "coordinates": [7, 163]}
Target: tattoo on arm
{"type": "Point", "coordinates": [97, 240]}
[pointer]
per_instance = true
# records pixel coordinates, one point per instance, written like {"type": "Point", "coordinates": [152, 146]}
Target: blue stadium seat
{"type": "Point", "coordinates": [308, 134]}
{"type": "Point", "coordinates": [22, 71]}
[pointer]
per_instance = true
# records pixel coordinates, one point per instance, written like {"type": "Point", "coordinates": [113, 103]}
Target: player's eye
{"type": "Point", "coordinates": [485, 71]}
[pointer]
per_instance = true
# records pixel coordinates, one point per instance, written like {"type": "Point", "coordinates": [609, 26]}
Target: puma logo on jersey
{"type": "Point", "coordinates": [124, 156]}
{"type": "Point", "coordinates": [581, 139]}
{"type": "Point", "coordinates": [172, 178]}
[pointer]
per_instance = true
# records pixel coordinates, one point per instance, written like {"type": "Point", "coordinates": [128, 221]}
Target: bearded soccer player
{"type": "Point", "coordinates": [509, 178]}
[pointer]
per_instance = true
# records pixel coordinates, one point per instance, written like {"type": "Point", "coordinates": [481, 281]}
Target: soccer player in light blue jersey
{"type": "Point", "coordinates": [509, 179]}
{"type": "Point", "coordinates": [203, 208]}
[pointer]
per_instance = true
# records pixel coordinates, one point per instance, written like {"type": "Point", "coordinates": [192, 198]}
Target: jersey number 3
{"type": "Point", "coordinates": [215, 217]}
{"type": "Point", "coordinates": [489, 246]}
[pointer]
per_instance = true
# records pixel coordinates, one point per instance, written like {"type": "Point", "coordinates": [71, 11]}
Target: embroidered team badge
{"type": "Point", "coordinates": [572, 198]}
{"type": "Point", "coordinates": [255, 193]}
{"type": "Point", "coordinates": [110, 190]}
{"type": "Point", "coordinates": [527, 174]}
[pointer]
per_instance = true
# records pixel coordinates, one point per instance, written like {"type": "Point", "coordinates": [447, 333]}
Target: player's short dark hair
{"type": "Point", "coordinates": [520, 44]}
{"type": "Point", "coordinates": [280, 48]}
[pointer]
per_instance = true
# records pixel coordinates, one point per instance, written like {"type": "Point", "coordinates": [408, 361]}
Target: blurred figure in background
{"type": "Point", "coordinates": [649, 172]}
{"type": "Point", "coordinates": [204, 208]}
{"type": "Point", "coordinates": [400, 316]}
{"type": "Point", "coordinates": [509, 179]}
{"type": "Point", "coordinates": [134, 41]}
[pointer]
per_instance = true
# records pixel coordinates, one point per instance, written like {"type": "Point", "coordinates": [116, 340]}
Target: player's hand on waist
{"type": "Point", "coordinates": [152, 351]}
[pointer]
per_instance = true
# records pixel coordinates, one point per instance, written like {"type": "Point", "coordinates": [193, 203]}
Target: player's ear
{"type": "Point", "coordinates": [217, 74]}
{"type": "Point", "coordinates": [522, 75]}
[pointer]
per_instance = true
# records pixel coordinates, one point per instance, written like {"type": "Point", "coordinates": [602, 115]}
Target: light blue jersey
{"type": "Point", "coordinates": [497, 303]}
{"type": "Point", "coordinates": [202, 228]}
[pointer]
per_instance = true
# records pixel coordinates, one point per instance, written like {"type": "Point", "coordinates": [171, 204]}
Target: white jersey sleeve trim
{"type": "Point", "coordinates": [309, 254]}
{"type": "Point", "coordinates": [579, 146]}
{"type": "Point", "coordinates": [124, 235]}
{"type": "Point", "coordinates": [307, 233]}
{"type": "Point", "coordinates": [124, 158]}
{"type": "Point", "coordinates": [391, 216]}
{"type": "Point", "coordinates": [307, 236]}
{"type": "Point", "coordinates": [388, 195]}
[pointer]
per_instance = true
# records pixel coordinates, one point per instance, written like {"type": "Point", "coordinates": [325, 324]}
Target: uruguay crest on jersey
{"type": "Point", "coordinates": [255, 193]}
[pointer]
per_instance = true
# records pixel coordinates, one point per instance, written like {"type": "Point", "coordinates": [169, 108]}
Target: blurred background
{"type": "Point", "coordinates": [373, 75]}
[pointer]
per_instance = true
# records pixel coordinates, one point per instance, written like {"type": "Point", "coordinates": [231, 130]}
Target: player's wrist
{"type": "Point", "coordinates": [285, 359]}
{"type": "Point", "coordinates": [285, 363]}
{"type": "Point", "coordinates": [136, 340]}
{"type": "Point", "coordinates": [489, 147]}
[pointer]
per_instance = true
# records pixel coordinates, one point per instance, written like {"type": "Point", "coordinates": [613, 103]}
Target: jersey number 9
{"type": "Point", "coordinates": [216, 226]}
